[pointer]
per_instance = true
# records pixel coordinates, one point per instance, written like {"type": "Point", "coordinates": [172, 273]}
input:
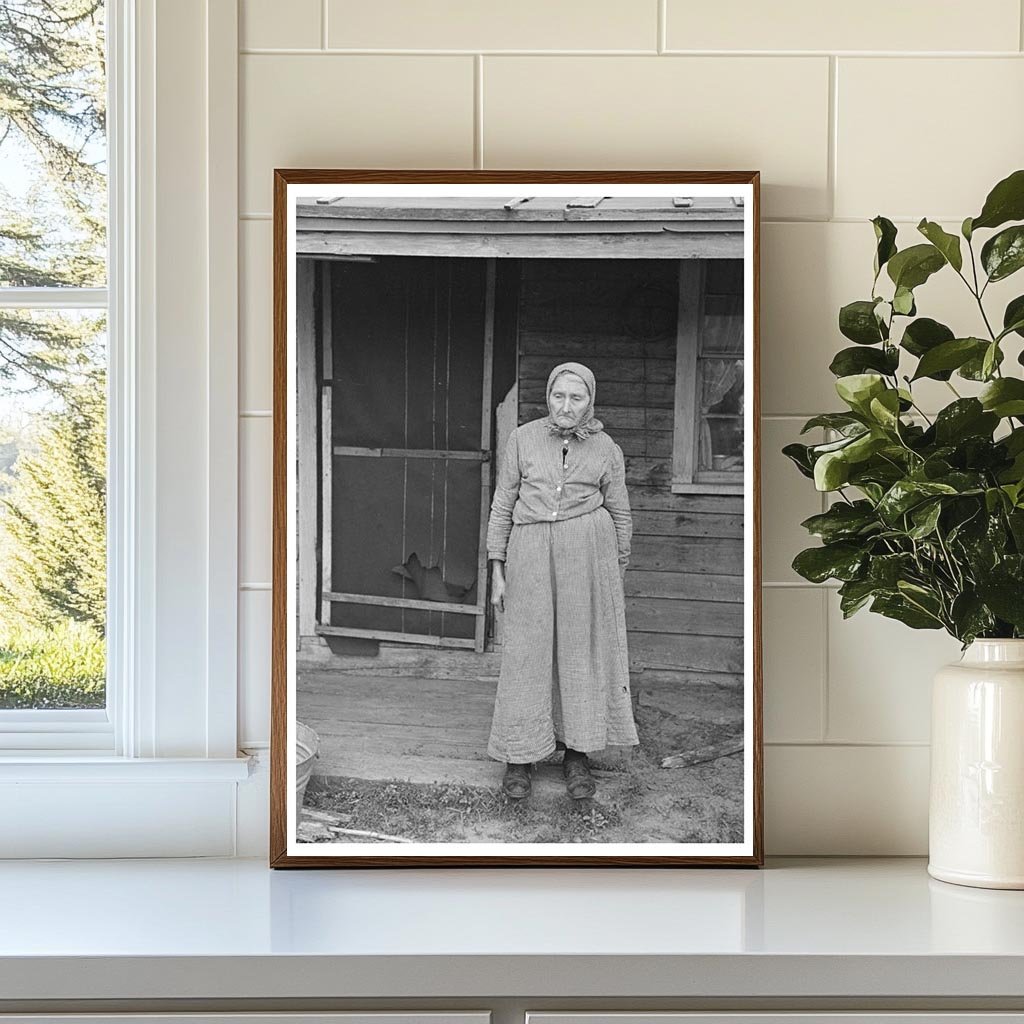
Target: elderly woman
{"type": "Point", "coordinates": [558, 540]}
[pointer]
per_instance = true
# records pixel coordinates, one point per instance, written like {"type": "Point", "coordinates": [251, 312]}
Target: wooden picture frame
{"type": "Point", "coordinates": [416, 317]}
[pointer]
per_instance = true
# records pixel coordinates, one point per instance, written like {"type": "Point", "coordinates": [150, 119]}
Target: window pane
{"type": "Point", "coordinates": [53, 151]}
{"type": "Point", "coordinates": [721, 386]}
{"type": "Point", "coordinates": [723, 325]}
{"type": "Point", "coordinates": [52, 509]}
{"type": "Point", "coordinates": [721, 444]}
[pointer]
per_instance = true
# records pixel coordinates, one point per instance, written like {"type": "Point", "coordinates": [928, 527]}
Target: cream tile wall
{"type": "Point", "coordinates": [908, 110]}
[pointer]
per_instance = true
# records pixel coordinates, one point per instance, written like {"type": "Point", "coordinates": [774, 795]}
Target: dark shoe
{"type": "Point", "coordinates": [517, 782]}
{"type": "Point", "coordinates": [578, 780]}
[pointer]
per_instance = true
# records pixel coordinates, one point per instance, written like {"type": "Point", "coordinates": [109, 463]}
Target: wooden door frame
{"type": "Point", "coordinates": [328, 596]}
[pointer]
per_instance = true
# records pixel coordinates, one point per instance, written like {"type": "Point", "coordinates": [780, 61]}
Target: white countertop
{"type": "Point", "coordinates": [235, 929]}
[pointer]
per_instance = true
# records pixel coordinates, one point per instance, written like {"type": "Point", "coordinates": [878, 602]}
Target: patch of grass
{"type": "Point", "coordinates": [61, 667]}
{"type": "Point", "coordinates": [440, 813]}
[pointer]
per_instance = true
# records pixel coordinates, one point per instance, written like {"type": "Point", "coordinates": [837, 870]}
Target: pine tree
{"type": "Point", "coordinates": [53, 526]}
{"type": "Point", "coordinates": [53, 123]}
{"type": "Point", "coordinates": [52, 118]}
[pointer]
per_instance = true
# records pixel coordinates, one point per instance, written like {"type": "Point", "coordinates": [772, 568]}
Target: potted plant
{"type": "Point", "coordinates": [927, 521]}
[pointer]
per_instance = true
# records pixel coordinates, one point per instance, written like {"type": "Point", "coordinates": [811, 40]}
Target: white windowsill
{"type": "Point", "coordinates": [77, 766]}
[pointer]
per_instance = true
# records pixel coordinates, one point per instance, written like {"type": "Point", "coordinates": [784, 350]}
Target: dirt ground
{"type": "Point", "coordinates": [637, 801]}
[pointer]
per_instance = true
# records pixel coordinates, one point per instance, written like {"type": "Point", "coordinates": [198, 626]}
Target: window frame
{"type": "Point", "coordinates": [173, 471]}
{"type": "Point", "coordinates": [92, 730]}
{"type": "Point", "coordinates": [687, 478]}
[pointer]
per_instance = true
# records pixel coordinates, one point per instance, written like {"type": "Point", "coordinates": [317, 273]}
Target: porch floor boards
{"type": "Point", "coordinates": [410, 729]}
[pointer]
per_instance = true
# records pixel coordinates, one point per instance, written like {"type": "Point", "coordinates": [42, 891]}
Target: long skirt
{"type": "Point", "coordinates": [564, 667]}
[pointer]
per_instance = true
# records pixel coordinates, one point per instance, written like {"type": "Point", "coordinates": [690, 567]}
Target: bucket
{"type": "Point", "coordinates": [307, 747]}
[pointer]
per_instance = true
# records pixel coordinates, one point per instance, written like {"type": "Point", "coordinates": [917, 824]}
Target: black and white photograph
{"type": "Point", "coordinates": [516, 566]}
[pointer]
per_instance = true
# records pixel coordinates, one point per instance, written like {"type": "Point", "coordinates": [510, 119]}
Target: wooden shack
{"type": "Point", "coordinates": [426, 330]}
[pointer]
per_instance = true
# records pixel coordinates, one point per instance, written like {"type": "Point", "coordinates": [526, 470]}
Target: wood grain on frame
{"type": "Point", "coordinates": [279, 856]}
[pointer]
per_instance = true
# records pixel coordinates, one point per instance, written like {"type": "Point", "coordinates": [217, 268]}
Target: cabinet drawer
{"type": "Point", "coordinates": [785, 1017]}
{"type": "Point", "coordinates": [359, 1017]}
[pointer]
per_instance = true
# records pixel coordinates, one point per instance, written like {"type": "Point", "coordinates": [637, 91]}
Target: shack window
{"type": "Point", "coordinates": [707, 454]}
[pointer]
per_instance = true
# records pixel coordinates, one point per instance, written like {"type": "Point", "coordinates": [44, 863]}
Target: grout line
{"type": "Point", "coordinates": [257, 51]}
{"type": "Point", "coordinates": [824, 681]}
{"type": "Point", "coordinates": [254, 586]}
{"type": "Point", "coordinates": [255, 414]}
{"type": "Point", "coordinates": [831, 171]}
{"type": "Point", "coordinates": [345, 51]}
{"type": "Point", "coordinates": [663, 26]}
{"type": "Point", "coordinates": [855, 744]}
{"type": "Point", "coordinates": [255, 216]}
{"type": "Point", "coordinates": [323, 24]}
{"type": "Point", "coordinates": [799, 585]}
{"type": "Point", "coordinates": [478, 111]}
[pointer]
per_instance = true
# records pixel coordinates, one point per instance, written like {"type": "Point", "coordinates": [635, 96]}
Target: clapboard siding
{"type": "Point", "coordinates": [706, 586]}
{"type": "Point", "coordinates": [687, 524]}
{"type": "Point", "coordinates": [535, 369]}
{"type": "Point", "coordinates": [684, 588]}
{"type": "Point", "coordinates": [664, 615]}
{"type": "Point", "coordinates": [700, 653]}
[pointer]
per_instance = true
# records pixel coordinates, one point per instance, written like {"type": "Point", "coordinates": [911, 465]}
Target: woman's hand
{"type": "Point", "coordinates": [498, 586]}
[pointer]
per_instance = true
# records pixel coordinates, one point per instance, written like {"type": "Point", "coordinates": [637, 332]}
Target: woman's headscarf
{"type": "Point", "coordinates": [588, 424]}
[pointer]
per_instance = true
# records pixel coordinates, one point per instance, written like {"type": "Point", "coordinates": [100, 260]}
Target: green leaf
{"type": "Point", "coordinates": [1013, 317]}
{"type": "Point", "coordinates": [842, 521]}
{"type": "Point", "coordinates": [923, 335]}
{"type": "Point", "coordinates": [903, 302]}
{"type": "Point", "coordinates": [966, 417]}
{"type": "Point", "coordinates": [913, 266]}
{"type": "Point", "coordinates": [887, 570]}
{"type": "Point", "coordinates": [885, 409]}
{"type": "Point", "coordinates": [1005, 202]}
{"type": "Point", "coordinates": [990, 360]}
{"type": "Point", "coordinates": [965, 228]}
{"type": "Point", "coordinates": [857, 321]}
{"type": "Point", "coordinates": [841, 421]}
{"type": "Point", "coordinates": [899, 608]}
{"type": "Point", "coordinates": [885, 237]}
{"type": "Point", "coordinates": [950, 355]}
{"type": "Point", "coordinates": [906, 494]}
{"type": "Point", "coordinates": [970, 617]}
{"type": "Point", "coordinates": [1005, 596]}
{"type": "Point", "coordinates": [1004, 397]}
{"type": "Point", "coordinates": [831, 471]}
{"type": "Point", "coordinates": [947, 244]}
{"type": "Point", "coordinates": [849, 361]}
{"type": "Point", "coordinates": [799, 455]}
{"type": "Point", "coordinates": [840, 561]}
{"type": "Point", "coordinates": [854, 594]}
{"type": "Point", "coordinates": [974, 368]}
{"type": "Point", "coordinates": [858, 389]}
{"type": "Point", "coordinates": [925, 518]}
{"type": "Point", "coordinates": [1003, 254]}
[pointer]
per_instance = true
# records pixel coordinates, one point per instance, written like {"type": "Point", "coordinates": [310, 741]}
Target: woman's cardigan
{"type": "Point", "coordinates": [534, 486]}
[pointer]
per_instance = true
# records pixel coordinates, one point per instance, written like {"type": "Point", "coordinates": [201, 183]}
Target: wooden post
{"type": "Point", "coordinates": [306, 442]}
{"type": "Point", "coordinates": [689, 327]}
{"type": "Point", "coordinates": [326, 441]}
{"type": "Point", "coordinates": [485, 445]}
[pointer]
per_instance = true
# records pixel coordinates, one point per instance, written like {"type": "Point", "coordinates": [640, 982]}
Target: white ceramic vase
{"type": "Point", "coordinates": [976, 811]}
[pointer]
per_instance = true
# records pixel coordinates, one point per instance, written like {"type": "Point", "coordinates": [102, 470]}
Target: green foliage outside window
{"type": "Point", "coordinates": [52, 365]}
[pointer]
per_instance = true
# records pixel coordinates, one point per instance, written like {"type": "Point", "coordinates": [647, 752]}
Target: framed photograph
{"type": "Point", "coordinates": [516, 550]}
